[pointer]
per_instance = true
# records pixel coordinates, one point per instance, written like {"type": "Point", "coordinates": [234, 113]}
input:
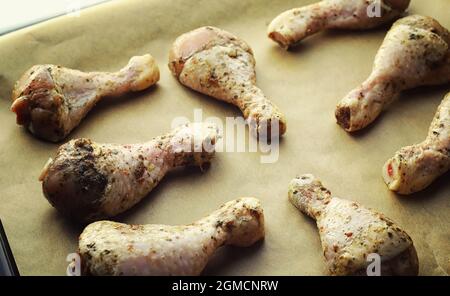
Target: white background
{"type": "Point", "coordinates": [15, 14]}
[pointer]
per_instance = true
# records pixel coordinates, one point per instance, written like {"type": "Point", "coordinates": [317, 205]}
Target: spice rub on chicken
{"type": "Point", "coordinates": [292, 26]}
{"type": "Point", "coordinates": [221, 65]}
{"type": "Point", "coordinates": [415, 52]}
{"type": "Point", "coordinates": [414, 168]}
{"type": "Point", "coordinates": [350, 232]}
{"type": "Point", "coordinates": [52, 100]}
{"type": "Point", "coordinates": [87, 181]}
{"type": "Point", "coordinates": [110, 248]}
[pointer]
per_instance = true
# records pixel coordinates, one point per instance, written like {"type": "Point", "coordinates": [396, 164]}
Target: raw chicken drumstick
{"type": "Point", "coordinates": [221, 65]}
{"type": "Point", "coordinates": [51, 100]}
{"type": "Point", "coordinates": [89, 181]}
{"type": "Point", "coordinates": [350, 232]}
{"type": "Point", "coordinates": [292, 26]}
{"type": "Point", "coordinates": [415, 52]}
{"type": "Point", "coordinates": [415, 167]}
{"type": "Point", "coordinates": [110, 248]}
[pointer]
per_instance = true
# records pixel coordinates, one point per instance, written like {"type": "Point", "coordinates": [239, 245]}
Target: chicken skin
{"type": "Point", "coordinates": [292, 26]}
{"type": "Point", "coordinates": [110, 248]}
{"type": "Point", "coordinates": [415, 52]}
{"type": "Point", "coordinates": [216, 63]}
{"type": "Point", "coordinates": [414, 168]}
{"type": "Point", "coordinates": [51, 100]}
{"type": "Point", "coordinates": [350, 233]}
{"type": "Point", "coordinates": [88, 181]}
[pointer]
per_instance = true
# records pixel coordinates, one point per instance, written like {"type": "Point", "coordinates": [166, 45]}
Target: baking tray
{"type": "Point", "coordinates": [306, 83]}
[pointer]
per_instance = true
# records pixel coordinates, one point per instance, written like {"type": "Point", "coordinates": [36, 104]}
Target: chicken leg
{"type": "Point", "coordinates": [110, 248]}
{"type": "Point", "coordinates": [414, 168]}
{"type": "Point", "coordinates": [415, 52]}
{"type": "Point", "coordinates": [350, 232]}
{"type": "Point", "coordinates": [292, 26]}
{"type": "Point", "coordinates": [89, 181]}
{"type": "Point", "coordinates": [216, 63]}
{"type": "Point", "coordinates": [51, 100]}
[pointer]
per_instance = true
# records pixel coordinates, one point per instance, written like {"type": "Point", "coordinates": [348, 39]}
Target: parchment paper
{"type": "Point", "coordinates": [305, 83]}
